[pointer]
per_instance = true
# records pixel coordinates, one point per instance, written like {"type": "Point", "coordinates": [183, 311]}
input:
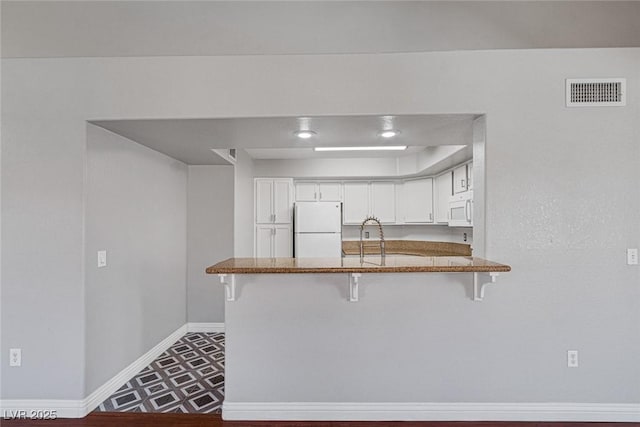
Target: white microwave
{"type": "Point", "coordinates": [461, 209]}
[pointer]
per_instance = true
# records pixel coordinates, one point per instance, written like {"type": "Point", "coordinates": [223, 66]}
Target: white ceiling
{"type": "Point", "coordinates": [160, 28]}
{"type": "Point", "coordinates": [191, 140]}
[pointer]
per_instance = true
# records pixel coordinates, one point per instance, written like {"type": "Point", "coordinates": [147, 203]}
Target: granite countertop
{"type": "Point", "coordinates": [407, 247]}
{"type": "Point", "coordinates": [370, 264]}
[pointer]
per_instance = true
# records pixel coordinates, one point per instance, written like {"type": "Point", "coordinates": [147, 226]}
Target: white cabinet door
{"type": "Point", "coordinates": [383, 201]}
{"type": "Point", "coordinates": [418, 200]}
{"type": "Point", "coordinates": [443, 191]}
{"type": "Point", "coordinates": [264, 201]}
{"type": "Point", "coordinates": [282, 239]}
{"type": "Point", "coordinates": [460, 179]}
{"type": "Point", "coordinates": [356, 202]}
{"type": "Point", "coordinates": [282, 201]}
{"type": "Point", "coordinates": [329, 192]}
{"type": "Point", "coordinates": [306, 192]}
{"type": "Point", "coordinates": [264, 241]}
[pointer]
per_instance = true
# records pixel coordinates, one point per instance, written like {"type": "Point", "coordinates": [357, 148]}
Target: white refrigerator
{"type": "Point", "coordinates": [317, 229]}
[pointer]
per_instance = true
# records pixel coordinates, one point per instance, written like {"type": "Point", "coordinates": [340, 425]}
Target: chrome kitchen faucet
{"type": "Point", "coordinates": [377, 221]}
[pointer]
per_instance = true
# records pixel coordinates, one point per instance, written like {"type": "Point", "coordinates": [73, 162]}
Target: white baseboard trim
{"type": "Point", "coordinates": [80, 408]}
{"type": "Point", "coordinates": [107, 389]}
{"type": "Point", "coordinates": [41, 409]}
{"type": "Point", "coordinates": [335, 411]}
{"type": "Point", "coordinates": [205, 327]}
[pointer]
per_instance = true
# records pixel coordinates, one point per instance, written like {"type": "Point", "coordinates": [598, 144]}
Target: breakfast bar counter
{"type": "Point", "coordinates": [301, 338]}
{"type": "Point", "coordinates": [368, 264]}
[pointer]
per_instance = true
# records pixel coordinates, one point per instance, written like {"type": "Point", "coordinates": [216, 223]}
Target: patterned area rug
{"type": "Point", "coordinates": [187, 378]}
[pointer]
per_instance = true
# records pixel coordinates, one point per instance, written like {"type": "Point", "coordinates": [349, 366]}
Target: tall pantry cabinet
{"type": "Point", "coordinates": [273, 217]}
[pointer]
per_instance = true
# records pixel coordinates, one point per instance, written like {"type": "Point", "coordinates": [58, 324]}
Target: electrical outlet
{"type": "Point", "coordinates": [366, 234]}
{"type": "Point", "coordinates": [15, 357]}
{"type": "Point", "coordinates": [572, 358]}
{"type": "Point", "coordinates": [102, 259]}
{"type": "Point", "coordinates": [632, 256]}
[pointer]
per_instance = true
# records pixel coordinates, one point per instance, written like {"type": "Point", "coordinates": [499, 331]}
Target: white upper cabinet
{"type": "Point", "coordinates": [264, 201]}
{"type": "Point", "coordinates": [383, 201]}
{"type": "Point", "coordinates": [460, 179]}
{"type": "Point", "coordinates": [443, 191]}
{"type": "Point", "coordinates": [274, 201]}
{"type": "Point", "coordinates": [417, 196]}
{"type": "Point", "coordinates": [282, 201]}
{"type": "Point", "coordinates": [355, 207]}
{"type": "Point", "coordinates": [318, 192]}
{"type": "Point", "coordinates": [306, 191]}
{"type": "Point", "coordinates": [363, 199]}
{"type": "Point", "coordinates": [329, 192]}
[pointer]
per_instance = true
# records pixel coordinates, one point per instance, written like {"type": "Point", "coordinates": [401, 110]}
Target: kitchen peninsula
{"type": "Point", "coordinates": [370, 336]}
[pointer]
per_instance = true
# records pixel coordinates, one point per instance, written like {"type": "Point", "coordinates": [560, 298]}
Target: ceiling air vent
{"type": "Point", "coordinates": [596, 92]}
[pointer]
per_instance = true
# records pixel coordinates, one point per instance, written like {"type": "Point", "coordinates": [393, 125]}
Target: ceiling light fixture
{"type": "Point", "coordinates": [388, 129]}
{"type": "Point", "coordinates": [374, 148]}
{"type": "Point", "coordinates": [389, 133]}
{"type": "Point", "coordinates": [304, 134]}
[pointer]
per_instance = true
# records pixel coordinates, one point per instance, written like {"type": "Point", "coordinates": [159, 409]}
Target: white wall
{"type": "Point", "coordinates": [243, 205]}
{"type": "Point", "coordinates": [135, 210]}
{"type": "Point", "coordinates": [559, 207]}
{"type": "Point", "coordinates": [327, 168]}
{"type": "Point", "coordinates": [209, 238]}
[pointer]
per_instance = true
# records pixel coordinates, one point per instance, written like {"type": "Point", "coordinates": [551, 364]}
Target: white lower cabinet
{"type": "Point", "coordinates": [273, 241]}
{"type": "Point", "coordinates": [443, 189]}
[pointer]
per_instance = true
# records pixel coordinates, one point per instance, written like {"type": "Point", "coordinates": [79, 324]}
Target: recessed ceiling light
{"type": "Point", "coordinates": [389, 133]}
{"type": "Point", "coordinates": [304, 134]}
{"type": "Point", "coordinates": [375, 148]}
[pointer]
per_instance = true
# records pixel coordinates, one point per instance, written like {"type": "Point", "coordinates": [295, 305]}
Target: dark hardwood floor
{"type": "Point", "coordinates": [193, 420]}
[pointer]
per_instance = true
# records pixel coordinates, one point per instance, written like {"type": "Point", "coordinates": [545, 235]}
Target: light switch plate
{"type": "Point", "coordinates": [102, 259]}
{"type": "Point", "coordinates": [632, 256]}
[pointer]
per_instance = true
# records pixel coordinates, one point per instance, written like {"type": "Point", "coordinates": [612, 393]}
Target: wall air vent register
{"type": "Point", "coordinates": [596, 92]}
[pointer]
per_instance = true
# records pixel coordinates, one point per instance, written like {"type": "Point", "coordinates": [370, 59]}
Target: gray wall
{"type": "Point", "coordinates": [560, 208]}
{"type": "Point", "coordinates": [209, 238]}
{"type": "Point", "coordinates": [136, 210]}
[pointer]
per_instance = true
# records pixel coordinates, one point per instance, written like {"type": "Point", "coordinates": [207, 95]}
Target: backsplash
{"type": "Point", "coordinates": [412, 232]}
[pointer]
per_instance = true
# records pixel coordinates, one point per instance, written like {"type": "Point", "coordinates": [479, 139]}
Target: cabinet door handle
{"type": "Point", "coordinates": [430, 217]}
{"type": "Point", "coordinates": [467, 211]}
{"type": "Point", "coordinates": [315, 196]}
{"type": "Point", "coordinates": [462, 183]}
{"type": "Point", "coordinates": [321, 195]}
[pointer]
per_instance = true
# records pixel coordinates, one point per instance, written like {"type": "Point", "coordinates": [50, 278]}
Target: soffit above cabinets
{"type": "Point", "coordinates": [192, 140]}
